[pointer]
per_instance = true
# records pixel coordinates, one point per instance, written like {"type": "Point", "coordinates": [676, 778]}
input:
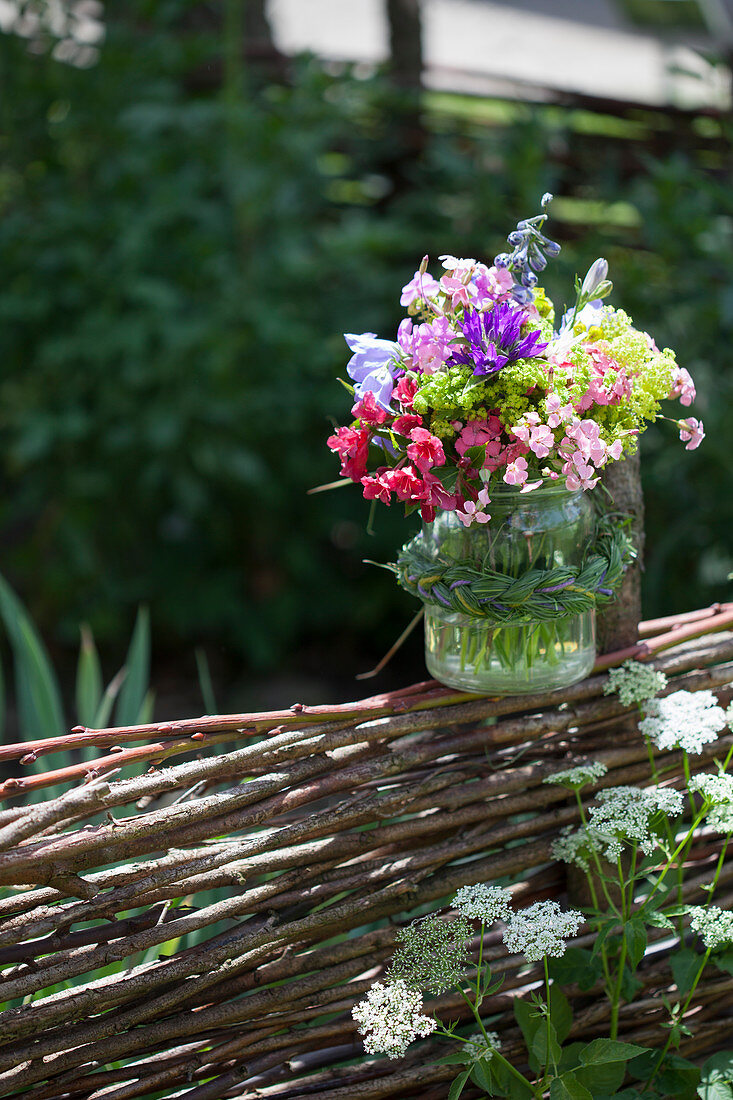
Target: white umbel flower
{"type": "Point", "coordinates": [390, 1019]}
{"type": "Point", "coordinates": [634, 683]}
{"type": "Point", "coordinates": [714, 925]}
{"type": "Point", "coordinates": [484, 903]}
{"type": "Point", "coordinates": [715, 789]}
{"type": "Point", "coordinates": [541, 929]}
{"type": "Point", "coordinates": [478, 1047]}
{"type": "Point", "coordinates": [575, 846]}
{"type": "Point", "coordinates": [685, 719]}
{"type": "Point", "coordinates": [579, 776]}
{"type": "Point", "coordinates": [628, 814]}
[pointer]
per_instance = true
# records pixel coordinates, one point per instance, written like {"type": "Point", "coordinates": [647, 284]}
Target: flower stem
{"type": "Point", "coordinates": [495, 1053]}
{"type": "Point", "coordinates": [683, 1010]}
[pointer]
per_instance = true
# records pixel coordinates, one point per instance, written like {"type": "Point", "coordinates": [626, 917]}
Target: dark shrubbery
{"type": "Point", "coordinates": [177, 270]}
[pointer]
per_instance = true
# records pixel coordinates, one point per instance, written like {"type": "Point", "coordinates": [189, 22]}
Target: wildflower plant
{"type": "Point", "coordinates": [485, 385]}
{"type": "Point", "coordinates": [632, 844]}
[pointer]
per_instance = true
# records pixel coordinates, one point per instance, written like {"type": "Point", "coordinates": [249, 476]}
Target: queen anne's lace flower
{"type": "Point", "coordinates": [574, 846]}
{"type": "Point", "coordinates": [390, 1019]}
{"type": "Point", "coordinates": [714, 925]}
{"type": "Point", "coordinates": [575, 778]}
{"type": "Point", "coordinates": [433, 955]}
{"type": "Point", "coordinates": [541, 930]}
{"type": "Point", "coordinates": [715, 789]}
{"type": "Point", "coordinates": [628, 814]}
{"type": "Point", "coordinates": [634, 683]}
{"type": "Point", "coordinates": [482, 902]}
{"type": "Point", "coordinates": [684, 719]}
{"type": "Point", "coordinates": [478, 1047]}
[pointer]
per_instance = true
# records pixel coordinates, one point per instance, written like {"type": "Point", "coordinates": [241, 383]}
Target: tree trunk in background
{"type": "Point", "coordinates": [404, 70]}
{"type": "Point", "coordinates": [618, 623]}
{"type": "Point", "coordinates": [405, 43]}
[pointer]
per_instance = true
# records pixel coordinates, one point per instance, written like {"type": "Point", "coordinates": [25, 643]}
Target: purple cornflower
{"type": "Point", "coordinates": [495, 339]}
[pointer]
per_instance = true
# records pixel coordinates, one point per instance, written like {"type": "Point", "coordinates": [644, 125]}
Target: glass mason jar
{"type": "Point", "coordinates": [546, 528]}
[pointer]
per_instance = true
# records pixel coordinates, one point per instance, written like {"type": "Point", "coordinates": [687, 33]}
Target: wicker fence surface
{"type": "Point", "coordinates": [203, 928]}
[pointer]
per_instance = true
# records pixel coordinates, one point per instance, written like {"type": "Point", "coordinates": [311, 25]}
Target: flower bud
{"type": "Point", "coordinates": [423, 265]}
{"type": "Point", "coordinates": [546, 199]}
{"type": "Point", "coordinates": [529, 279]}
{"type": "Point", "coordinates": [502, 260]}
{"type": "Point", "coordinates": [597, 273]}
{"type": "Point", "coordinates": [552, 248]}
{"type": "Point", "coordinates": [516, 238]}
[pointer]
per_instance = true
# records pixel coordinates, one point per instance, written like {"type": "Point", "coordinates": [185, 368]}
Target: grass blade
{"type": "Point", "coordinates": [205, 683]}
{"type": "Point", "coordinates": [88, 679]}
{"type": "Point", "coordinates": [40, 713]}
{"type": "Point", "coordinates": [137, 664]}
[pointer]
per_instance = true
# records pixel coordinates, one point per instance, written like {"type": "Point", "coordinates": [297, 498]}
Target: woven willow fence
{"type": "Point", "coordinates": [203, 928]}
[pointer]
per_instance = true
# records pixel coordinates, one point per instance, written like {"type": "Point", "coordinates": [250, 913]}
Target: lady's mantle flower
{"type": "Point", "coordinates": [542, 930]}
{"type": "Point", "coordinates": [684, 719]}
{"type": "Point", "coordinates": [634, 683]}
{"type": "Point", "coordinates": [433, 955]}
{"type": "Point", "coordinates": [372, 366]}
{"type": "Point", "coordinates": [495, 339]}
{"type": "Point", "coordinates": [575, 778]}
{"type": "Point", "coordinates": [713, 924]}
{"type": "Point", "coordinates": [630, 814]}
{"type": "Point", "coordinates": [482, 902]}
{"type": "Point", "coordinates": [390, 1019]}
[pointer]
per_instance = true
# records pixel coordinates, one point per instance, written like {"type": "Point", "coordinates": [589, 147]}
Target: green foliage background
{"type": "Point", "coordinates": [178, 267]}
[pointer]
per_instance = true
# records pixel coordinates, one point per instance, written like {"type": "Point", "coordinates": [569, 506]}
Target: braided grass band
{"type": "Point", "coordinates": [539, 595]}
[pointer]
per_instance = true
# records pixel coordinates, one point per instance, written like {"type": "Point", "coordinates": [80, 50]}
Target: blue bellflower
{"type": "Point", "coordinates": [373, 366]}
{"type": "Point", "coordinates": [495, 339]}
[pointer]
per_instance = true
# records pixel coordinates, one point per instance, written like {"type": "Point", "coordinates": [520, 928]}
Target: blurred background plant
{"type": "Point", "coordinates": [187, 230]}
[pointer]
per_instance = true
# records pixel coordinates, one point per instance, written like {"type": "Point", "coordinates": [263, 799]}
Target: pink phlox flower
{"type": "Point", "coordinates": [475, 433]}
{"type": "Point", "coordinates": [426, 450]}
{"type": "Point", "coordinates": [420, 288]}
{"type": "Point", "coordinates": [691, 432]}
{"type": "Point", "coordinates": [377, 488]}
{"type": "Point", "coordinates": [530, 485]}
{"type": "Point", "coordinates": [352, 445]}
{"type": "Point", "coordinates": [472, 513]}
{"type": "Point", "coordinates": [557, 413]}
{"type": "Point", "coordinates": [453, 263]}
{"type": "Point", "coordinates": [541, 440]}
{"type": "Point", "coordinates": [406, 337]}
{"type": "Point", "coordinates": [403, 425]}
{"type": "Point", "coordinates": [432, 345]}
{"type": "Point", "coordinates": [682, 387]}
{"type": "Point", "coordinates": [579, 473]}
{"type": "Point", "coordinates": [492, 284]}
{"type": "Point", "coordinates": [368, 411]}
{"type": "Point", "coordinates": [404, 392]}
{"type": "Point", "coordinates": [405, 484]}
{"type": "Point", "coordinates": [459, 292]}
{"type": "Point", "coordinates": [516, 472]}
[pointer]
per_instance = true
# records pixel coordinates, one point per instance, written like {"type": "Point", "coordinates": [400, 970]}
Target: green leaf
{"type": "Point", "coordinates": [603, 1078]}
{"type": "Point", "coordinates": [636, 940]}
{"type": "Point", "coordinates": [546, 1048]}
{"type": "Point", "coordinates": [481, 1075]}
{"type": "Point", "coordinates": [679, 1078]}
{"type": "Point", "coordinates": [459, 1084]}
{"type": "Point", "coordinates": [568, 1087]}
{"type": "Point", "coordinates": [101, 718]}
{"type": "Point", "coordinates": [561, 1013]}
{"type": "Point", "coordinates": [656, 919]}
{"type": "Point", "coordinates": [529, 1020]}
{"type": "Point", "coordinates": [685, 964]}
{"type": "Point", "coordinates": [137, 663]}
{"type": "Point", "coordinates": [88, 679]}
{"type": "Point", "coordinates": [40, 713]}
{"type": "Point", "coordinates": [716, 1077]}
{"type": "Point", "coordinates": [630, 985]}
{"type": "Point", "coordinates": [576, 967]}
{"type": "Point", "coordinates": [476, 455]}
{"type": "Point", "coordinates": [724, 961]}
{"type": "Point", "coordinates": [609, 1050]}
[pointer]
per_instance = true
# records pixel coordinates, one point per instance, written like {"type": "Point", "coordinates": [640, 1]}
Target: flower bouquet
{"type": "Point", "coordinates": [492, 418]}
